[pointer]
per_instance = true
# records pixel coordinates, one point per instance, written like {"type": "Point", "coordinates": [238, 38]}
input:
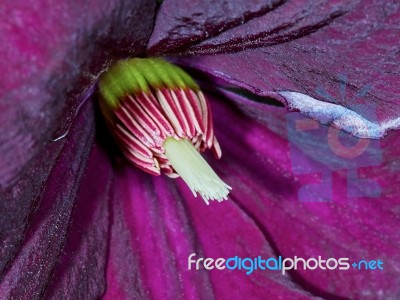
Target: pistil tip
{"type": "Point", "coordinates": [195, 171]}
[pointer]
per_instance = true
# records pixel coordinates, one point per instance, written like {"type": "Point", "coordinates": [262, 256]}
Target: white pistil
{"type": "Point", "coordinates": [195, 171]}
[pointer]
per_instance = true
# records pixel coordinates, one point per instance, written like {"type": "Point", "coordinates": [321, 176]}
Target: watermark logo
{"type": "Point", "coordinates": [249, 265]}
{"type": "Point", "coordinates": [318, 150]}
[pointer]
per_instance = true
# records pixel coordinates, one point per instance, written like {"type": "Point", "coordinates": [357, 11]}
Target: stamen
{"type": "Point", "coordinates": [171, 113]}
{"type": "Point", "coordinates": [135, 127]}
{"type": "Point", "coordinates": [183, 116]}
{"type": "Point", "coordinates": [217, 148]}
{"type": "Point", "coordinates": [129, 141]}
{"type": "Point", "coordinates": [195, 171]}
{"type": "Point", "coordinates": [209, 130]}
{"type": "Point", "coordinates": [194, 109]}
{"type": "Point", "coordinates": [150, 103]}
{"type": "Point", "coordinates": [145, 121]}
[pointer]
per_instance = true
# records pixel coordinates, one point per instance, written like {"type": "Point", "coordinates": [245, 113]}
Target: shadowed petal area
{"type": "Point", "coordinates": [270, 169]}
{"type": "Point", "coordinates": [80, 271]}
{"type": "Point", "coordinates": [180, 23]}
{"type": "Point", "coordinates": [51, 52]}
{"type": "Point", "coordinates": [352, 62]}
{"type": "Point", "coordinates": [54, 221]}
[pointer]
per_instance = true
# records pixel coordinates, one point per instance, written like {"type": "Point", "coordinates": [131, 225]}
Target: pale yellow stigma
{"type": "Point", "coordinates": [194, 170]}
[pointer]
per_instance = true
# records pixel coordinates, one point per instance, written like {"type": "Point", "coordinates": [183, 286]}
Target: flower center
{"type": "Point", "coordinates": [161, 120]}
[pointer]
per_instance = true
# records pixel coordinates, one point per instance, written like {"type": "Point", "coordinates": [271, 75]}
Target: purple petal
{"type": "Point", "coordinates": [51, 53]}
{"type": "Point", "coordinates": [180, 23]}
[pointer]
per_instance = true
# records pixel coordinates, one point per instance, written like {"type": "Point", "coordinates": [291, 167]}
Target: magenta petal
{"type": "Point", "coordinates": [257, 162]}
{"type": "Point", "coordinates": [180, 23]}
{"type": "Point", "coordinates": [151, 235]}
{"type": "Point", "coordinates": [157, 226]}
{"type": "Point", "coordinates": [49, 52]}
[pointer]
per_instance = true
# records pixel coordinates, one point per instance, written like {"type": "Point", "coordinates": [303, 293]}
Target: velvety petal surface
{"type": "Point", "coordinates": [54, 221]}
{"type": "Point", "coordinates": [350, 62]}
{"type": "Point", "coordinates": [52, 51]}
{"type": "Point", "coordinates": [80, 269]}
{"type": "Point", "coordinates": [181, 23]}
{"type": "Point", "coordinates": [286, 22]}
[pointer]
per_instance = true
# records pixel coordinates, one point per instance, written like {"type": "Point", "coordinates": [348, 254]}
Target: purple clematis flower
{"type": "Point", "coordinates": [78, 222]}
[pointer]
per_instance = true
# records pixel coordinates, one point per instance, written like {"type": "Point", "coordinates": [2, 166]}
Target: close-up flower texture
{"type": "Point", "coordinates": [193, 149]}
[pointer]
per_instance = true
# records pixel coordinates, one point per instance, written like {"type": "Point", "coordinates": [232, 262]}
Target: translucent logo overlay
{"type": "Point", "coordinates": [317, 150]}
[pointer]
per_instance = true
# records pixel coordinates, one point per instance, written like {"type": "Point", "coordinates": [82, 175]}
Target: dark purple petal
{"type": "Point", "coordinates": [287, 22]}
{"type": "Point", "coordinates": [50, 53]}
{"type": "Point", "coordinates": [54, 221]}
{"type": "Point", "coordinates": [180, 23]}
{"type": "Point", "coordinates": [80, 270]}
